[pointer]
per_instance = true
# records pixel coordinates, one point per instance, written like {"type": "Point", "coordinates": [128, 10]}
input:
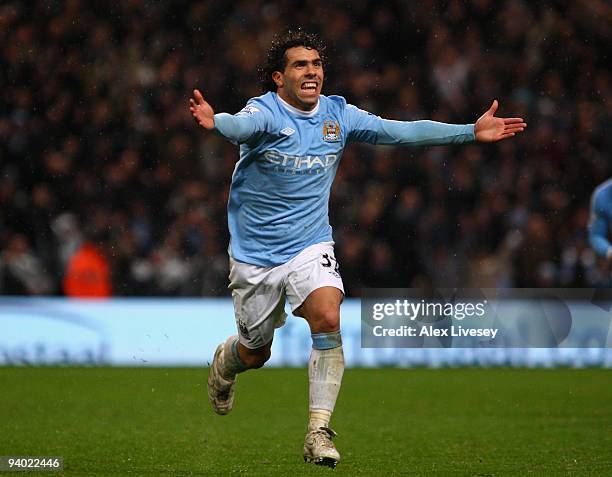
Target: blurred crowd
{"type": "Point", "coordinates": [108, 187]}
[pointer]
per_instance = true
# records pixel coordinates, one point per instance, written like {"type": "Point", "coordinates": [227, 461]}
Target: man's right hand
{"type": "Point", "coordinates": [201, 111]}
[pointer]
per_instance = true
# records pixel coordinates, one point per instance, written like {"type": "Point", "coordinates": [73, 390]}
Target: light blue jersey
{"type": "Point", "coordinates": [600, 225]}
{"type": "Point", "coordinates": [279, 197]}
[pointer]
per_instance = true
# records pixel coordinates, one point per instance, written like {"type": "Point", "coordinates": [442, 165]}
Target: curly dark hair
{"type": "Point", "coordinates": [277, 60]}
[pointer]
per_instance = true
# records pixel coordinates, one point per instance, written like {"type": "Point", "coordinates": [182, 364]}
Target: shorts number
{"type": "Point", "coordinates": [328, 259]}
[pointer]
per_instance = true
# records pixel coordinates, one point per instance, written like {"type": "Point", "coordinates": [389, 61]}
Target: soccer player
{"type": "Point", "coordinates": [601, 220]}
{"type": "Point", "coordinates": [281, 247]}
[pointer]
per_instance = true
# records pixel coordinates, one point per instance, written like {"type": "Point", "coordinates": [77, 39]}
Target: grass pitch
{"type": "Point", "coordinates": [147, 422]}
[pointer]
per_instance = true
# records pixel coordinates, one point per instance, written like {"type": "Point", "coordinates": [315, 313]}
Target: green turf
{"type": "Point", "coordinates": [480, 422]}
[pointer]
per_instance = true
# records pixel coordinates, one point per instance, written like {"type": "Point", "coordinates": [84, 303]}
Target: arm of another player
{"type": "Point", "coordinates": [598, 229]}
{"type": "Point", "coordinates": [237, 128]}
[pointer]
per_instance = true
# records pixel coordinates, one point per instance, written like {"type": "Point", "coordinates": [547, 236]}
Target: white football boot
{"type": "Point", "coordinates": [319, 448]}
{"type": "Point", "coordinates": [220, 390]}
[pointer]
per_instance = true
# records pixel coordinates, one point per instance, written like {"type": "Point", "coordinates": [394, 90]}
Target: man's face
{"type": "Point", "coordinates": [301, 82]}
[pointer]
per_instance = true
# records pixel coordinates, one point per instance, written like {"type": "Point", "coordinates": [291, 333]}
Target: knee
{"type": "Point", "coordinates": [328, 320]}
{"type": "Point", "coordinates": [254, 359]}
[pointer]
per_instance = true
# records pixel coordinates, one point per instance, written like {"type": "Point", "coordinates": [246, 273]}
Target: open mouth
{"type": "Point", "coordinates": [310, 86]}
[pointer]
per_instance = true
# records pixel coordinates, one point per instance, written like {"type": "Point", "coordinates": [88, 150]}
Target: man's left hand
{"type": "Point", "coordinates": [488, 128]}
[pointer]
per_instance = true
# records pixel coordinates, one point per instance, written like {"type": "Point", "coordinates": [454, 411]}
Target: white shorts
{"type": "Point", "coordinates": [259, 292]}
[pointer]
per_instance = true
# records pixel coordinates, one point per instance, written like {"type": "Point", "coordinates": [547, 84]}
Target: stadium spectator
{"type": "Point", "coordinates": [21, 272]}
{"type": "Point", "coordinates": [88, 274]}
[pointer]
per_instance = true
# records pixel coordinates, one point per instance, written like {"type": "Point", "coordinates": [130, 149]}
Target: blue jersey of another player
{"type": "Point", "coordinates": [601, 219]}
{"type": "Point", "coordinates": [278, 203]}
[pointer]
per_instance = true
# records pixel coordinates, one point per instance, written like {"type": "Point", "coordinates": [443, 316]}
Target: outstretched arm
{"type": "Point", "coordinates": [366, 127]}
{"type": "Point", "coordinates": [488, 128]}
{"type": "Point", "coordinates": [238, 128]}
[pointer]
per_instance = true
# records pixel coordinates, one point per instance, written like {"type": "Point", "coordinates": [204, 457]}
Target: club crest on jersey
{"type": "Point", "coordinates": [331, 130]}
